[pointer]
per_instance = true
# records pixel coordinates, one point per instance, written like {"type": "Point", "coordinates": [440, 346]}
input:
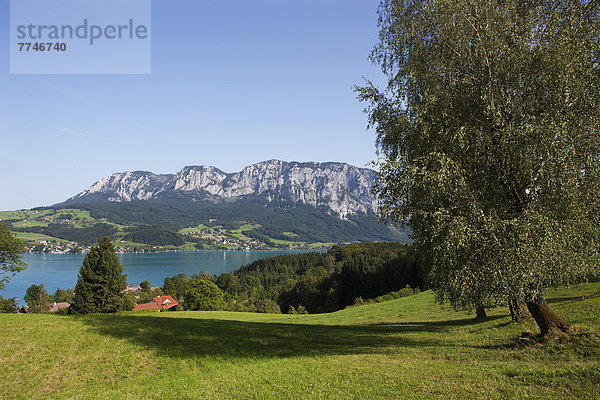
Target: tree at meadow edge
{"type": "Point", "coordinates": [63, 295]}
{"type": "Point", "coordinates": [101, 282]}
{"type": "Point", "coordinates": [145, 294]}
{"type": "Point", "coordinates": [8, 305]}
{"type": "Point", "coordinates": [11, 249]}
{"type": "Point", "coordinates": [204, 295]}
{"type": "Point", "coordinates": [490, 134]}
{"type": "Point", "coordinates": [37, 298]}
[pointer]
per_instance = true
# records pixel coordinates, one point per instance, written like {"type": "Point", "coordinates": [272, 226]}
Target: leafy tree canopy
{"type": "Point", "coordinates": [37, 298]}
{"type": "Point", "coordinates": [489, 131]}
{"type": "Point", "coordinates": [204, 295]}
{"type": "Point", "coordinates": [8, 305]}
{"type": "Point", "coordinates": [145, 285]}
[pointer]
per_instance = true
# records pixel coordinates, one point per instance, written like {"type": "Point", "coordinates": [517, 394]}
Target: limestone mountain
{"type": "Point", "coordinates": [273, 204]}
{"type": "Point", "coordinates": [340, 187]}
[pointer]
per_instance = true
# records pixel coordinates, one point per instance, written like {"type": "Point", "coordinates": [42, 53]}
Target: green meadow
{"type": "Point", "coordinates": [405, 348]}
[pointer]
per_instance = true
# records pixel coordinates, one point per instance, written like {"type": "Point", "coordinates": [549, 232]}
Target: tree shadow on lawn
{"type": "Point", "coordinates": [191, 337]}
{"type": "Point", "coordinates": [572, 299]}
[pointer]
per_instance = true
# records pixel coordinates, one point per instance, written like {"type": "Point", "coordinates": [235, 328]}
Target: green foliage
{"type": "Point", "coordinates": [301, 310]}
{"type": "Point", "coordinates": [62, 295]}
{"type": "Point", "coordinates": [229, 283]}
{"type": "Point", "coordinates": [37, 298]}
{"type": "Point", "coordinates": [101, 283]}
{"type": "Point", "coordinates": [143, 297]}
{"type": "Point", "coordinates": [204, 295]}
{"type": "Point", "coordinates": [128, 301]}
{"type": "Point", "coordinates": [359, 301]}
{"type": "Point", "coordinates": [177, 286]}
{"type": "Point", "coordinates": [404, 292]}
{"type": "Point", "coordinates": [145, 286]}
{"type": "Point", "coordinates": [10, 255]}
{"type": "Point", "coordinates": [309, 223]}
{"type": "Point", "coordinates": [169, 288]}
{"type": "Point", "coordinates": [323, 282]}
{"type": "Point", "coordinates": [83, 235]}
{"type": "Point", "coordinates": [154, 235]}
{"type": "Point", "coordinates": [8, 305]}
{"type": "Point", "coordinates": [266, 306]}
{"type": "Point", "coordinates": [490, 131]}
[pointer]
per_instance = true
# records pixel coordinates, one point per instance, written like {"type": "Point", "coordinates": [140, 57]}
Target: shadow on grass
{"type": "Point", "coordinates": [190, 337]}
{"type": "Point", "coordinates": [572, 299]}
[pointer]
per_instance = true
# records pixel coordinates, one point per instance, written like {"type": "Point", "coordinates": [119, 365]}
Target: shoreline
{"type": "Point", "coordinates": [184, 251]}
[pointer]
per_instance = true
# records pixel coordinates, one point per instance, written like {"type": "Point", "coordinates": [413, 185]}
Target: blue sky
{"type": "Point", "coordinates": [232, 83]}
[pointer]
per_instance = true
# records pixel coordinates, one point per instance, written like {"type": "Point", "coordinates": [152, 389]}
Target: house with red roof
{"type": "Point", "coordinates": [157, 303]}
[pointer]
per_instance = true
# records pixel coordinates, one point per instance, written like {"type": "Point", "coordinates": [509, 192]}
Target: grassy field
{"type": "Point", "coordinates": [26, 236]}
{"type": "Point", "coordinates": [406, 348]}
{"type": "Point", "coordinates": [22, 214]}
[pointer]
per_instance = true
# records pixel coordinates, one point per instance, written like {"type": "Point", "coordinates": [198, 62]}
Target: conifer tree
{"type": "Point", "coordinates": [101, 283]}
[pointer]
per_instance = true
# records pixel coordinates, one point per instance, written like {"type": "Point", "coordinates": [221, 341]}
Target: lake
{"type": "Point", "coordinates": [60, 270]}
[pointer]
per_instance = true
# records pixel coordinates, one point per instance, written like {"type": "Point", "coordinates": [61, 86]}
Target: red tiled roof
{"type": "Point", "coordinates": [147, 306]}
{"type": "Point", "coordinates": [165, 301]}
{"type": "Point", "coordinates": [157, 303]}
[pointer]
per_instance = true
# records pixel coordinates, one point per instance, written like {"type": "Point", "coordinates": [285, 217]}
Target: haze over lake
{"type": "Point", "coordinates": [60, 270]}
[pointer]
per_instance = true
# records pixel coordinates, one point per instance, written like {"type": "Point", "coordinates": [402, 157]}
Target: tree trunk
{"type": "Point", "coordinates": [516, 313]}
{"type": "Point", "coordinates": [546, 319]}
{"type": "Point", "coordinates": [480, 310]}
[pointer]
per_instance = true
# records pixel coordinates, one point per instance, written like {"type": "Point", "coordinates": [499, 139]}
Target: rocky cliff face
{"type": "Point", "coordinates": [343, 188]}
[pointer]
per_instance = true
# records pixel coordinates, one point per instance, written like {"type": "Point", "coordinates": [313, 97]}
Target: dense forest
{"type": "Point", "coordinates": [315, 282]}
{"type": "Point", "coordinates": [154, 235]}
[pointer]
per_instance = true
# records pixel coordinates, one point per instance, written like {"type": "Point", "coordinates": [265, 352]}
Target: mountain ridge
{"type": "Point", "coordinates": [342, 187]}
{"type": "Point", "coordinates": [268, 205]}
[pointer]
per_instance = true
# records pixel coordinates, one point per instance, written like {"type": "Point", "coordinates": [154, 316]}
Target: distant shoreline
{"type": "Point", "coordinates": [187, 251]}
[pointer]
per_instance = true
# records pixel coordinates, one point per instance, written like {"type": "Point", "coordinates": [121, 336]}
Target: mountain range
{"type": "Point", "coordinates": [270, 204]}
{"type": "Point", "coordinates": [341, 187]}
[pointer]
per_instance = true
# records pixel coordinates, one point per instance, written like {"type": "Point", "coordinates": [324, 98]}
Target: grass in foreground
{"type": "Point", "coordinates": [408, 348]}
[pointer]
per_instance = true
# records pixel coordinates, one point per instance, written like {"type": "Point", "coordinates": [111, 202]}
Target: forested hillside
{"type": "Point", "coordinates": [317, 282]}
{"type": "Point", "coordinates": [178, 223]}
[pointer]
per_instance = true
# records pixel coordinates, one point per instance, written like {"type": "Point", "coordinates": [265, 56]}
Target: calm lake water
{"type": "Point", "coordinates": [60, 270]}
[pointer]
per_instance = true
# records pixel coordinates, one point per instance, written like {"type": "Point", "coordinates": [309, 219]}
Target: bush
{"type": "Point", "coordinates": [204, 295]}
{"type": "Point", "coordinates": [268, 306]}
{"type": "Point", "coordinates": [37, 298]}
{"type": "Point", "coordinates": [407, 291]}
{"type": "Point", "coordinates": [8, 305]}
{"type": "Point", "coordinates": [404, 292]}
{"type": "Point", "coordinates": [301, 310]}
{"type": "Point", "coordinates": [128, 301]}
{"type": "Point", "coordinates": [359, 301]}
